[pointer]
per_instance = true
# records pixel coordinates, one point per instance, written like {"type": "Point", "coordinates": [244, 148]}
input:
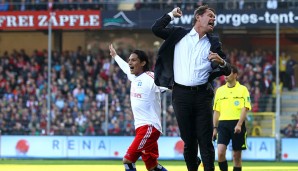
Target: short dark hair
{"type": "Point", "coordinates": [234, 69]}
{"type": "Point", "coordinates": [200, 11]}
{"type": "Point", "coordinates": [143, 57]}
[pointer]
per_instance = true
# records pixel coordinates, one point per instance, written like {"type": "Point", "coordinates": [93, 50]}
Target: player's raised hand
{"type": "Point", "coordinates": [177, 13]}
{"type": "Point", "coordinates": [112, 51]}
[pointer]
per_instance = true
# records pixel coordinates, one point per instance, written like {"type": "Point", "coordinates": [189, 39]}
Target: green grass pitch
{"type": "Point", "coordinates": [116, 165]}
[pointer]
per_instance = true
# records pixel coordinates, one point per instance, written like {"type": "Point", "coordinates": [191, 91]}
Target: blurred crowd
{"type": "Point", "coordinates": [22, 5]}
{"type": "Point", "coordinates": [258, 71]}
{"type": "Point", "coordinates": [84, 83]}
{"type": "Point", "coordinates": [80, 83]}
{"type": "Point", "coordinates": [291, 130]}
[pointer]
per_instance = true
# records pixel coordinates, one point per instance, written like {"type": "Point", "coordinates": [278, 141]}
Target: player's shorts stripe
{"type": "Point", "coordinates": [144, 140]}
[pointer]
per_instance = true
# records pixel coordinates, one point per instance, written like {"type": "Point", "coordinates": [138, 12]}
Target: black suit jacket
{"type": "Point", "coordinates": [164, 72]}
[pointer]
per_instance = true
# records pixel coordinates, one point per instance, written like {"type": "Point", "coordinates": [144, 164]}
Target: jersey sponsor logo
{"type": "Point", "coordinates": [236, 103]}
{"type": "Point", "coordinates": [139, 83]}
{"type": "Point", "coordinates": [137, 95]}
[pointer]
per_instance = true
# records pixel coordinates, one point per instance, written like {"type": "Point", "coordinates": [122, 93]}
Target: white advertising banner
{"type": "Point", "coordinates": [89, 147]}
{"type": "Point", "coordinates": [289, 149]}
{"type": "Point", "coordinates": [63, 146]}
{"type": "Point", "coordinates": [259, 149]}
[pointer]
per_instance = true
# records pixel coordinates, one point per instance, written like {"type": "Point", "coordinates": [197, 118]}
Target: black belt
{"type": "Point", "coordinates": [197, 88]}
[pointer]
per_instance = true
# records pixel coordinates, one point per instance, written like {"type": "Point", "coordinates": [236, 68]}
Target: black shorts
{"type": "Point", "coordinates": [226, 133]}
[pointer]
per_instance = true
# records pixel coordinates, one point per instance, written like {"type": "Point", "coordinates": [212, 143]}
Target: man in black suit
{"type": "Point", "coordinates": [188, 61]}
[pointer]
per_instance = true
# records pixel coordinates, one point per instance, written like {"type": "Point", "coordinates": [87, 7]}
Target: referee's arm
{"type": "Point", "coordinates": [216, 115]}
{"type": "Point", "coordinates": [241, 120]}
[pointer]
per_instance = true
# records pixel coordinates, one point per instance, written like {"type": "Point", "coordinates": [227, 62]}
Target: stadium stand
{"type": "Point", "coordinates": [78, 103]}
{"type": "Point", "coordinates": [22, 5]}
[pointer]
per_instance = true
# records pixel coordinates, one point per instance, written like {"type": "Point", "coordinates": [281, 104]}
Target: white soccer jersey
{"type": "Point", "coordinates": [144, 97]}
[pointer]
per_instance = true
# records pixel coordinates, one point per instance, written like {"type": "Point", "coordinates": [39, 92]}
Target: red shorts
{"type": "Point", "coordinates": [145, 145]}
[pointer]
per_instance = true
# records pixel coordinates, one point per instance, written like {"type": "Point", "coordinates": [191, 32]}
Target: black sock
{"type": "Point", "coordinates": [223, 166]}
{"type": "Point", "coordinates": [237, 168]}
{"type": "Point", "coordinates": [130, 167]}
{"type": "Point", "coordinates": [159, 167]}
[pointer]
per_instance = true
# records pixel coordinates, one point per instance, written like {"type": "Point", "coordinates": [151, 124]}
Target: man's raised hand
{"type": "Point", "coordinates": [177, 13]}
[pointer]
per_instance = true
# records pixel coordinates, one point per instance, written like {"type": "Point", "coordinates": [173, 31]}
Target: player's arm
{"type": "Point", "coordinates": [122, 64]}
{"type": "Point", "coordinates": [159, 88]}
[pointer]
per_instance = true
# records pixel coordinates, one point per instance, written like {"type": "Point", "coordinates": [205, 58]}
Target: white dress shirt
{"type": "Point", "coordinates": [191, 64]}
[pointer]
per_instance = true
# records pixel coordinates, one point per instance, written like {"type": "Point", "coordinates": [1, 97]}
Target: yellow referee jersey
{"type": "Point", "coordinates": [230, 101]}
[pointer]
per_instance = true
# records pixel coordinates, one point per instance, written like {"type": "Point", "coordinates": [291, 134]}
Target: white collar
{"type": "Point", "coordinates": [193, 32]}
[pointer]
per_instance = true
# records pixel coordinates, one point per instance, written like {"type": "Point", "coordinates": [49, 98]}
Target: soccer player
{"type": "Point", "coordinates": [146, 107]}
{"type": "Point", "coordinates": [231, 103]}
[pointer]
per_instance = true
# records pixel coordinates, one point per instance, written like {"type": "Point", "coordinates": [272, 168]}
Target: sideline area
{"type": "Point", "coordinates": [116, 165]}
{"type": "Point", "coordinates": [120, 167]}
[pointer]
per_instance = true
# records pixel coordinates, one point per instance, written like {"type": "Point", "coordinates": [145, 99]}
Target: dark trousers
{"type": "Point", "coordinates": [194, 113]}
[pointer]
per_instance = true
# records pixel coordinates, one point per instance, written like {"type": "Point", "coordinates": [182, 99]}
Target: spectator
{"type": "Point", "coordinates": [4, 5]}
{"type": "Point", "coordinates": [80, 122]}
{"type": "Point", "coordinates": [34, 125]}
{"type": "Point", "coordinates": [294, 120]}
{"type": "Point", "coordinates": [138, 5]}
{"type": "Point", "coordinates": [283, 4]}
{"type": "Point", "coordinates": [282, 67]}
{"type": "Point", "coordinates": [17, 129]}
{"type": "Point", "coordinates": [290, 72]}
{"type": "Point", "coordinates": [74, 131]}
{"type": "Point", "coordinates": [90, 129]}
{"type": "Point", "coordinates": [22, 6]}
{"type": "Point", "coordinates": [296, 132]}
{"type": "Point", "coordinates": [288, 131]}
{"type": "Point", "coordinates": [271, 4]}
{"type": "Point", "coordinates": [256, 129]}
{"type": "Point", "coordinates": [231, 4]}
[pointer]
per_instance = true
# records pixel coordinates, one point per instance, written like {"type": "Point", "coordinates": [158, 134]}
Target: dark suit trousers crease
{"type": "Point", "coordinates": [193, 110]}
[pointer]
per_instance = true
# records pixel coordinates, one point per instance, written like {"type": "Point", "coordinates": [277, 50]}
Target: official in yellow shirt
{"type": "Point", "coordinates": [231, 103]}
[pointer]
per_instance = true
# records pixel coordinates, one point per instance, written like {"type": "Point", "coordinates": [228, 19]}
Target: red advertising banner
{"type": "Point", "coordinates": [39, 20]}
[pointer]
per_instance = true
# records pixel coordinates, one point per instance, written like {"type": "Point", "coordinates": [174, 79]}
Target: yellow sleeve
{"type": "Point", "coordinates": [246, 99]}
{"type": "Point", "coordinates": [216, 105]}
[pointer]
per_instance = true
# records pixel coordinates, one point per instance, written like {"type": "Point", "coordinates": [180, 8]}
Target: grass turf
{"type": "Point", "coordinates": [119, 162]}
{"type": "Point", "coordinates": [116, 165]}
